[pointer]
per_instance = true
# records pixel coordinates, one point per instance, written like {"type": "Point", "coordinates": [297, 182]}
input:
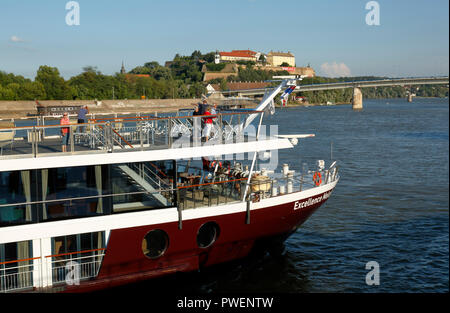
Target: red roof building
{"type": "Point", "coordinates": [239, 55]}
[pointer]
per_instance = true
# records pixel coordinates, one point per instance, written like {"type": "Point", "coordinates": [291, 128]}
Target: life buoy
{"type": "Point", "coordinates": [213, 165]}
{"type": "Point", "coordinates": [317, 178]}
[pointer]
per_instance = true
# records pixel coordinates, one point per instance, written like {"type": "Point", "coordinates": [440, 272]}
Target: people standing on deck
{"type": "Point", "coordinates": [203, 105]}
{"type": "Point", "coordinates": [196, 111]}
{"type": "Point", "coordinates": [65, 131]}
{"type": "Point", "coordinates": [208, 124]}
{"type": "Point", "coordinates": [82, 116]}
{"type": "Point", "coordinates": [214, 109]}
{"type": "Point", "coordinates": [200, 109]}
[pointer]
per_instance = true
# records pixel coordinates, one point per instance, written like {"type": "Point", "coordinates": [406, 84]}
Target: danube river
{"type": "Point", "coordinates": [391, 206]}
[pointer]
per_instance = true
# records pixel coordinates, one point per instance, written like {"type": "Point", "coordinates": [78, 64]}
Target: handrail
{"type": "Point", "coordinates": [155, 174]}
{"type": "Point", "coordinates": [76, 252]}
{"type": "Point", "coordinates": [129, 144]}
{"type": "Point", "coordinates": [51, 126]}
{"type": "Point", "coordinates": [121, 119]}
{"type": "Point", "coordinates": [213, 183]}
{"type": "Point", "coordinates": [294, 178]}
{"type": "Point", "coordinates": [17, 261]}
{"type": "Point", "coordinates": [84, 198]}
{"type": "Point", "coordinates": [137, 119]}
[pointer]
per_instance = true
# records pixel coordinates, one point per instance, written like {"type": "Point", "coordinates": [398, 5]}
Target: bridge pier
{"type": "Point", "coordinates": [409, 97]}
{"type": "Point", "coordinates": [357, 100]}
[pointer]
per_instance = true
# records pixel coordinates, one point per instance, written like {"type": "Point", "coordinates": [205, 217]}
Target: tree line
{"type": "Point", "coordinates": [182, 78]}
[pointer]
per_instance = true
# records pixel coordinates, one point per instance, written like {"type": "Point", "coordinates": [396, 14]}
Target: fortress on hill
{"type": "Point", "coordinates": [273, 61]}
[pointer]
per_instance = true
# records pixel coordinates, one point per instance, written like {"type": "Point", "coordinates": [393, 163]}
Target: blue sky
{"type": "Point", "coordinates": [332, 36]}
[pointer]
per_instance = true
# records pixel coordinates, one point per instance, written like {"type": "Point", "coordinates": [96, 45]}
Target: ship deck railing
{"type": "Point", "coordinates": [17, 275]}
{"type": "Point", "coordinates": [30, 138]}
{"type": "Point", "coordinates": [192, 194]}
{"type": "Point", "coordinates": [64, 268]}
{"type": "Point", "coordinates": [82, 265]}
{"type": "Point", "coordinates": [232, 189]}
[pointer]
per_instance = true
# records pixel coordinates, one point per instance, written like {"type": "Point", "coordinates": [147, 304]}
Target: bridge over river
{"type": "Point", "coordinates": [356, 85]}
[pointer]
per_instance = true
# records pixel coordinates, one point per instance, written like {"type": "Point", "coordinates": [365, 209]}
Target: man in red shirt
{"type": "Point", "coordinates": [65, 131]}
{"type": "Point", "coordinates": [208, 124]}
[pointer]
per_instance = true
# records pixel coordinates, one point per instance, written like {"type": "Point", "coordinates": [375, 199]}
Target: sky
{"type": "Point", "coordinates": [401, 38]}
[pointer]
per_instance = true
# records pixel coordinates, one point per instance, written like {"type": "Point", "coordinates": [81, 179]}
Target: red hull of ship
{"type": "Point", "coordinates": [124, 261]}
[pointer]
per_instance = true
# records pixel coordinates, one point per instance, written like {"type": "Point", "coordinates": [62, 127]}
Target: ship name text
{"type": "Point", "coordinates": [311, 201]}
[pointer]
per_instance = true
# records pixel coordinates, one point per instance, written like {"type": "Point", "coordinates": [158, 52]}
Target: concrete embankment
{"type": "Point", "coordinates": [16, 109]}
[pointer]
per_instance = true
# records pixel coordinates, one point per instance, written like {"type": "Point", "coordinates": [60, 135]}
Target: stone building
{"type": "Point", "coordinates": [278, 58]}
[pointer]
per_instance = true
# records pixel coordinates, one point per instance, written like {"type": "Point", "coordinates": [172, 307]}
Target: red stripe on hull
{"type": "Point", "coordinates": [124, 261]}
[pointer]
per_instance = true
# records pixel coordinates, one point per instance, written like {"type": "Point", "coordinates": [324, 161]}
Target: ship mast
{"type": "Point", "coordinates": [289, 82]}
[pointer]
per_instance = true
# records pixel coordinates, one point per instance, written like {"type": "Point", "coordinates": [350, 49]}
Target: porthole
{"type": "Point", "coordinates": [207, 234]}
{"type": "Point", "coordinates": [155, 243]}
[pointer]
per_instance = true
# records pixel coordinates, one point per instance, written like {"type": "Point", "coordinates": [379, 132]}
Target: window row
{"type": "Point", "coordinates": [49, 194]}
{"type": "Point", "coordinates": [21, 270]}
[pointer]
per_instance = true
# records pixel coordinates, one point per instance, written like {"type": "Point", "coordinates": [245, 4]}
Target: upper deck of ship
{"type": "Point", "coordinates": [36, 143]}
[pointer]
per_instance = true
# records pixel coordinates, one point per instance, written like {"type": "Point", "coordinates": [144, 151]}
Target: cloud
{"type": "Point", "coordinates": [16, 39]}
{"type": "Point", "coordinates": [19, 44]}
{"type": "Point", "coordinates": [335, 69]}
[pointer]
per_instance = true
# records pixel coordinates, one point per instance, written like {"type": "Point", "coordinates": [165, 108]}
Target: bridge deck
{"type": "Point", "coordinates": [352, 84]}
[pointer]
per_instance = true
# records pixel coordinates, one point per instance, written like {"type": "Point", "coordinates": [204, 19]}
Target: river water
{"type": "Point", "coordinates": [391, 206]}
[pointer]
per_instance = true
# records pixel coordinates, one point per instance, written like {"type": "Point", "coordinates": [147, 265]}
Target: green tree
{"type": "Point", "coordinates": [187, 68]}
{"type": "Point", "coordinates": [161, 72]}
{"type": "Point", "coordinates": [14, 87]}
{"type": "Point", "coordinates": [6, 93]}
{"type": "Point", "coordinates": [223, 84]}
{"type": "Point", "coordinates": [6, 78]}
{"type": "Point", "coordinates": [215, 67]}
{"type": "Point", "coordinates": [55, 86]}
{"type": "Point", "coordinates": [141, 70]}
{"type": "Point", "coordinates": [90, 68]}
{"type": "Point", "coordinates": [197, 89]}
{"type": "Point", "coordinates": [92, 84]}
{"type": "Point", "coordinates": [209, 57]}
{"type": "Point", "coordinates": [32, 90]}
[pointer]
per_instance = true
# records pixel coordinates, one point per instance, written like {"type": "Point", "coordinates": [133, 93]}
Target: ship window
{"type": "Point", "coordinates": [139, 186]}
{"type": "Point", "coordinates": [16, 189]}
{"type": "Point", "coordinates": [73, 192]}
{"type": "Point", "coordinates": [207, 234]}
{"type": "Point", "coordinates": [16, 266]}
{"type": "Point", "coordinates": [81, 185]}
{"type": "Point", "coordinates": [85, 249]}
{"type": "Point", "coordinates": [155, 243]}
{"type": "Point", "coordinates": [64, 246]}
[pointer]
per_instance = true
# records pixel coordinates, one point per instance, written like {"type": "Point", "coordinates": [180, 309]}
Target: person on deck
{"type": "Point", "coordinates": [208, 124]}
{"type": "Point", "coordinates": [82, 117]}
{"type": "Point", "coordinates": [65, 131]}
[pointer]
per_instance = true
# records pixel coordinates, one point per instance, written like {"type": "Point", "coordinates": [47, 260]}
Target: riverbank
{"type": "Point", "coordinates": [17, 109]}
